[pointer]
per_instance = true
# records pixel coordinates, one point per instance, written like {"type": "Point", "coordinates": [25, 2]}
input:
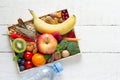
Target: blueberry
{"type": "Point", "coordinates": [19, 60]}
{"type": "Point", "coordinates": [22, 68]}
{"type": "Point", "coordinates": [22, 62]}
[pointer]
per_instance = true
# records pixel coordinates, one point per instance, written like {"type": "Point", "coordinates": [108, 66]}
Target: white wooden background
{"type": "Point", "coordinates": [98, 27]}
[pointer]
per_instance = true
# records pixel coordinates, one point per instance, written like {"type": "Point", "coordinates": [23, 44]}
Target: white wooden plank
{"type": "Point", "coordinates": [4, 40]}
{"type": "Point", "coordinates": [8, 70]}
{"type": "Point", "coordinates": [92, 66]}
{"type": "Point", "coordinates": [99, 39]}
{"type": "Point", "coordinates": [88, 12]}
{"type": "Point", "coordinates": [87, 66]}
{"type": "Point", "coordinates": [98, 12]}
{"type": "Point", "coordinates": [20, 9]}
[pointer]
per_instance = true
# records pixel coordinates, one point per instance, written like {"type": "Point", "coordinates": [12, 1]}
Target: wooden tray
{"type": "Point", "coordinates": [19, 32]}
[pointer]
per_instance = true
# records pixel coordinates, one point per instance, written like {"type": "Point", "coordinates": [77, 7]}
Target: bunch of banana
{"type": "Point", "coordinates": [62, 28]}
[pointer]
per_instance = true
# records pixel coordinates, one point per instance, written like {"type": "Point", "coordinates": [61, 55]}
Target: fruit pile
{"type": "Point", "coordinates": [44, 39]}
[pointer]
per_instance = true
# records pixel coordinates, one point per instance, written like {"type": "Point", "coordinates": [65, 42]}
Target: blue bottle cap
{"type": "Point", "coordinates": [58, 67]}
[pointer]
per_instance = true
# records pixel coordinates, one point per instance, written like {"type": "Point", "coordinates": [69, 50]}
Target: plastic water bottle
{"type": "Point", "coordinates": [44, 73]}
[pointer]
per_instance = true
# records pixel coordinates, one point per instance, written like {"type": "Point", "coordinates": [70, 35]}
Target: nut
{"type": "Point", "coordinates": [31, 46]}
{"type": "Point", "coordinates": [53, 14]}
{"type": "Point", "coordinates": [60, 20]}
{"type": "Point", "coordinates": [56, 20]}
{"type": "Point", "coordinates": [35, 50]}
{"type": "Point", "coordinates": [57, 55]}
{"type": "Point", "coordinates": [65, 53]}
{"type": "Point", "coordinates": [49, 20]}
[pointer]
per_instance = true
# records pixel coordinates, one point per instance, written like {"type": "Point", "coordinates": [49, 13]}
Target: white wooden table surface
{"type": "Point", "coordinates": [98, 27]}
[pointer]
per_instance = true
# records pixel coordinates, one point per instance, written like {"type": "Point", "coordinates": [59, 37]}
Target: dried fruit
{"type": "Point", "coordinates": [59, 14]}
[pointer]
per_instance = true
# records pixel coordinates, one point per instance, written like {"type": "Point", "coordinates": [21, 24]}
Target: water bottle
{"type": "Point", "coordinates": [43, 73]}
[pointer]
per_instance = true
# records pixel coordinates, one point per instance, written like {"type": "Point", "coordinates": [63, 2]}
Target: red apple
{"type": "Point", "coordinates": [46, 43]}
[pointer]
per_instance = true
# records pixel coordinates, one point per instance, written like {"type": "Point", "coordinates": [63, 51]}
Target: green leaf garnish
{"type": "Point", "coordinates": [15, 58]}
{"type": "Point", "coordinates": [63, 44]}
{"type": "Point", "coordinates": [47, 57]}
{"type": "Point", "coordinates": [59, 48]}
{"type": "Point", "coordinates": [20, 55]}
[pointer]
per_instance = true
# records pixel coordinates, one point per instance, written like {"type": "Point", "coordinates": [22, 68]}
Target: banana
{"type": "Point", "coordinates": [44, 27]}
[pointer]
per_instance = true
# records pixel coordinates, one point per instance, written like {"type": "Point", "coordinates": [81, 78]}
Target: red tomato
{"type": "Point", "coordinates": [28, 64]}
{"type": "Point", "coordinates": [71, 34]}
{"type": "Point", "coordinates": [28, 55]}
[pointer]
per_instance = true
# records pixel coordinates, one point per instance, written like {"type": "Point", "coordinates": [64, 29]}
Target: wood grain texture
{"type": "Point", "coordinates": [4, 40]}
{"type": "Point", "coordinates": [99, 39]}
{"type": "Point", "coordinates": [89, 66]}
{"type": "Point", "coordinates": [8, 70]}
{"type": "Point", "coordinates": [98, 27]}
{"type": "Point", "coordinates": [88, 12]}
{"type": "Point", "coordinates": [92, 66]}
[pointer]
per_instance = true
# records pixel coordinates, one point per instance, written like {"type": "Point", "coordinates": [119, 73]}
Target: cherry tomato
{"type": "Point", "coordinates": [71, 34]}
{"type": "Point", "coordinates": [28, 64]}
{"type": "Point", "coordinates": [28, 55]}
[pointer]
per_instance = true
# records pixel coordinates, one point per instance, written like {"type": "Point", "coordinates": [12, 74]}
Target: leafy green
{"type": "Point", "coordinates": [63, 44]}
{"type": "Point", "coordinates": [47, 57]}
{"type": "Point", "coordinates": [73, 48]}
{"type": "Point", "coordinates": [15, 58]}
{"type": "Point", "coordinates": [59, 48]}
{"type": "Point", "coordinates": [20, 55]}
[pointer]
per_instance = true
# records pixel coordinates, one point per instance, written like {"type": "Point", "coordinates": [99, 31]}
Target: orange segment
{"type": "Point", "coordinates": [38, 59]}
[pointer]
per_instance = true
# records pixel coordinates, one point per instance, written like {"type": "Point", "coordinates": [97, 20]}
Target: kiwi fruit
{"type": "Point", "coordinates": [19, 45]}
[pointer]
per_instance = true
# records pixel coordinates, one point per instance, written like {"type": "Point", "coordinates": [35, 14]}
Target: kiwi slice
{"type": "Point", "coordinates": [19, 45]}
